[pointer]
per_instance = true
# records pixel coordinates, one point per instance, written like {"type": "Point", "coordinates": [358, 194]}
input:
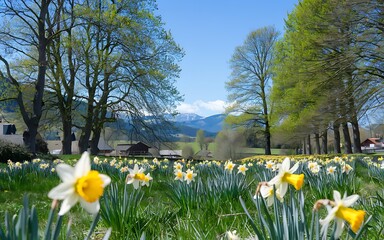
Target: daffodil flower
{"type": "Point", "coordinates": [179, 175]}
{"type": "Point", "coordinates": [242, 169]}
{"type": "Point", "coordinates": [341, 212]}
{"type": "Point", "coordinates": [135, 176]}
{"type": "Point", "coordinates": [286, 176]}
{"type": "Point", "coordinates": [232, 235]}
{"type": "Point", "coordinates": [229, 165]}
{"type": "Point", "coordinates": [331, 170]}
{"type": "Point", "coordinates": [80, 184]}
{"type": "Point", "coordinates": [268, 194]}
{"type": "Point", "coordinates": [146, 180]}
{"type": "Point", "coordinates": [177, 166]}
{"type": "Point", "coordinates": [270, 164]}
{"type": "Point", "coordinates": [189, 176]}
{"type": "Point", "coordinates": [346, 168]}
{"type": "Point", "coordinates": [314, 167]}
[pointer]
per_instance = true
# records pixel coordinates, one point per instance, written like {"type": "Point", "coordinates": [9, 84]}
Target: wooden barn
{"type": "Point", "coordinates": [136, 149]}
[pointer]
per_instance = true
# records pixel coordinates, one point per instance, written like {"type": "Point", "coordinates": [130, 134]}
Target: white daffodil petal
{"type": "Point", "coordinates": [286, 164]}
{"type": "Point", "coordinates": [324, 228]}
{"type": "Point", "coordinates": [83, 166]}
{"type": "Point", "coordinates": [265, 191]}
{"type": "Point", "coordinates": [92, 207]}
{"type": "Point", "coordinates": [275, 181]}
{"type": "Point", "coordinates": [339, 227]}
{"type": "Point", "coordinates": [65, 172]}
{"type": "Point", "coordinates": [326, 221]}
{"type": "Point", "coordinates": [62, 191]}
{"type": "Point", "coordinates": [283, 189]}
{"type": "Point", "coordinates": [294, 168]}
{"type": "Point", "coordinates": [136, 184]}
{"type": "Point", "coordinates": [336, 196]}
{"type": "Point", "coordinates": [68, 203]}
{"type": "Point", "coordinates": [270, 201]}
{"type": "Point", "coordinates": [106, 179]}
{"type": "Point", "coordinates": [349, 201]}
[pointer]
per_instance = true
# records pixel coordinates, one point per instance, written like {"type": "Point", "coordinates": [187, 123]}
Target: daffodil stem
{"type": "Point", "coordinates": [47, 234]}
{"type": "Point", "coordinates": [93, 225]}
{"type": "Point", "coordinates": [57, 227]}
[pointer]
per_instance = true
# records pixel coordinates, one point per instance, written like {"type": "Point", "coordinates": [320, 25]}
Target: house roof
{"type": "Point", "coordinates": [375, 140]}
{"type": "Point", "coordinates": [131, 144]}
{"type": "Point", "coordinates": [171, 152]}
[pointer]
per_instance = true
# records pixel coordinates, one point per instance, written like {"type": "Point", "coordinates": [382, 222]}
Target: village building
{"type": "Point", "coordinates": [132, 149]}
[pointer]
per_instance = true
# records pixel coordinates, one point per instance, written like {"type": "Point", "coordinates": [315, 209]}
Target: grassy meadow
{"type": "Point", "coordinates": [217, 201]}
{"type": "Point", "coordinates": [240, 151]}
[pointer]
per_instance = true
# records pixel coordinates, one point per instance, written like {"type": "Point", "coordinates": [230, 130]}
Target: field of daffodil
{"type": "Point", "coordinates": [262, 197]}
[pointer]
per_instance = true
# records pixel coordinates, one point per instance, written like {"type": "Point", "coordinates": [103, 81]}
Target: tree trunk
{"type": "Point", "coordinates": [66, 109]}
{"type": "Point", "coordinates": [347, 138]}
{"type": "Point", "coordinates": [95, 142]}
{"type": "Point", "coordinates": [85, 136]}
{"type": "Point", "coordinates": [324, 141]}
{"type": "Point", "coordinates": [309, 144]}
{"type": "Point", "coordinates": [32, 130]}
{"type": "Point", "coordinates": [267, 139]}
{"type": "Point", "coordinates": [317, 142]}
{"type": "Point", "coordinates": [67, 135]}
{"type": "Point", "coordinates": [98, 123]}
{"type": "Point", "coordinates": [336, 136]}
{"type": "Point", "coordinates": [304, 146]}
{"type": "Point", "coordinates": [356, 136]}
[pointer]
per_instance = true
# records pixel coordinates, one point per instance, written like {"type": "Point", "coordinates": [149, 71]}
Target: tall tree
{"type": "Point", "coordinates": [228, 142]}
{"type": "Point", "coordinates": [62, 70]}
{"type": "Point", "coordinates": [251, 66]}
{"type": "Point", "coordinates": [200, 138]}
{"type": "Point", "coordinates": [323, 49]}
{"type": "Point", "coordinates": [128, 68]}
{"type": "Point", "coordinates": [24, 33]}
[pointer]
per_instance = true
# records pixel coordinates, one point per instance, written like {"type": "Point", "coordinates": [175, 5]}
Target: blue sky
{"type": "Point", "coordinates": [209, 31]}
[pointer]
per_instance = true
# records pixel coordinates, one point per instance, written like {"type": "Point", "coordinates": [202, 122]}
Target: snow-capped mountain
{"type": "Point", "coordinates": [212, 124]}
{"type": "Point", "coordinates": [185, 117]}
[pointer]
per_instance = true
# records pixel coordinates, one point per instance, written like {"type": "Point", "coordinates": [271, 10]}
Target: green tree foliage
{"type": "Point", "coordinates": [228, 143]}
{"type": "Point", "coordinates": [187, 151]}
{"type": "Point", "coordinates": [104, 60]}
{"type": "Point", "coordinates": [200, 138]}
{"type": "Point", "coordinates": [251, 66]}
{"type": "Point", "coordinates": [128, 68]}
{"type": "Point", "coordinates": [320, 79]}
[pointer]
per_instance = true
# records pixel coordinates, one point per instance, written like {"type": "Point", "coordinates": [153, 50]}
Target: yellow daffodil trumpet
{"type": "Point", "coordinates": [90, 187]}
{"type": "Point", "coordinates": [354, 217]}
{"type": "Point", "coordinates": [139, 176]}
{"type": "Point", "coordinates": [296, 180]}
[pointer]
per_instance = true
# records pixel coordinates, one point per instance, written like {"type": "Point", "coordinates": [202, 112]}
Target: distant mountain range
{"type": "Point", "coordinates": [190, 123]}
{"type": "Point", "coordinates": [184, 117]}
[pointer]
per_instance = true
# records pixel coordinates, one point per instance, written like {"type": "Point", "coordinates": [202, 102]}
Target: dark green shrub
{"type": "Point", "coordinates": [14, 152]}
{"type": "Point", "coordinates": [41, 146]}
